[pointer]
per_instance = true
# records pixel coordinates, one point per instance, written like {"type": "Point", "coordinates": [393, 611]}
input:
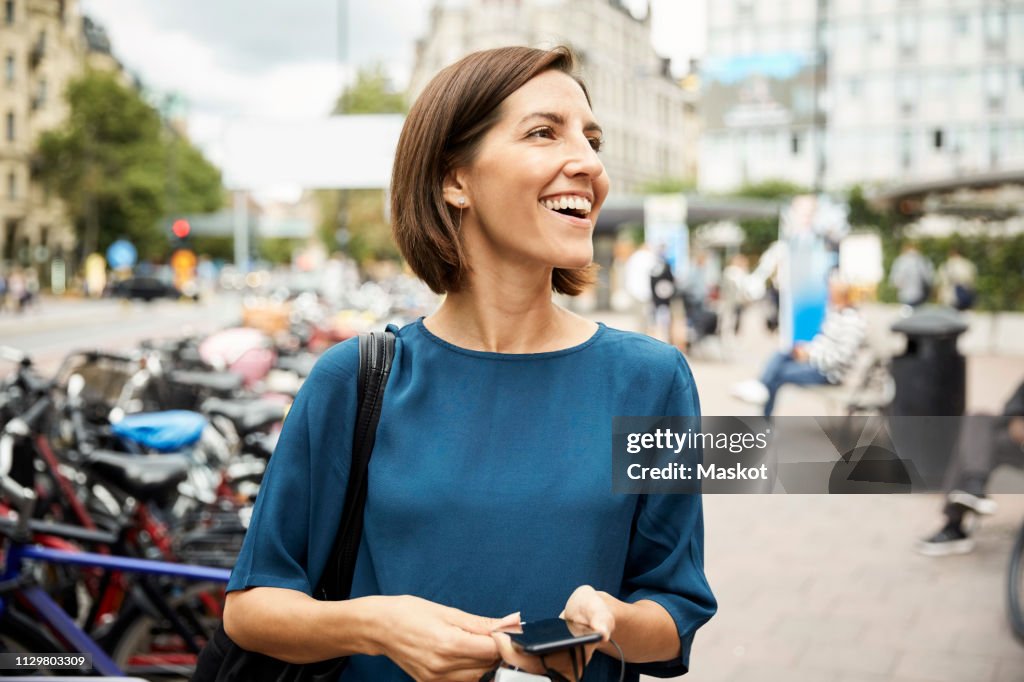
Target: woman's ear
{"type": "Point", "coordinates": [455, 190]}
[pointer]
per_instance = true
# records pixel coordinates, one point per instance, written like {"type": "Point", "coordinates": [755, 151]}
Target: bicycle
{"type": "Point", "coordinates": [32, 622]}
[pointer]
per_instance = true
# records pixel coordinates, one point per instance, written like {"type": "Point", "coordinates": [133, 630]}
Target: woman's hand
{"type": "Point", "coordinates": [434, 642]}
{"type": "Point", "coordinates": [585, 607]}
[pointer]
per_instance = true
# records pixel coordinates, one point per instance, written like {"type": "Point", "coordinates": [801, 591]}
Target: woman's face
{"type": "Point", "coordinates": [536, 185]}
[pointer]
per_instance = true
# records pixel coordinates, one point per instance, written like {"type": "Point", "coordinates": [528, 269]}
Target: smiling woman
{"type": "Point", "coordinates": [489, 491]}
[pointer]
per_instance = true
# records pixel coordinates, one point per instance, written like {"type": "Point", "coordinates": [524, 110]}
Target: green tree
{"type": "Point", "coordinates": [771, 189]}
{"type": "Point", "coordinates": [761, 232]}
{"type": "Point", "coordinates": [117, 167]}
{"type": "Point", "coordinates": [372, 93]}
{"type": "Point", "coordinates": [360, 213]}
{"type": "Point", "coordinates": [668, 186]}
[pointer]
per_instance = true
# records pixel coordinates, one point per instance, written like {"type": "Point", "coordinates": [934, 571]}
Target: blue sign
{"type": "Point", "coordinates": [121, 254]}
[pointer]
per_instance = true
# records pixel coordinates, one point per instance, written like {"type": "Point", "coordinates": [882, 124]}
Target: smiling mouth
{"type": "Point", "coordinates": [575, 209]}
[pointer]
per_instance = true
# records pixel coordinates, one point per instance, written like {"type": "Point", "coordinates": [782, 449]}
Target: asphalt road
{"type": "Point", "coordinates": [57, 326]}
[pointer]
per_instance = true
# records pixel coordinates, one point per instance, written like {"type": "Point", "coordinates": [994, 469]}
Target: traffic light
{"type": "Point", "coordinates": [181, 228]}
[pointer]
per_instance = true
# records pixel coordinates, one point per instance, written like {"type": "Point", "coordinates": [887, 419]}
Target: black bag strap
{"type": "Point", "coordinates": [376, 352]}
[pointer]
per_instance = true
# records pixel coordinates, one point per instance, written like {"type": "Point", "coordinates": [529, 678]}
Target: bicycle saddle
{"type": "Point", "coordinates": [219, 383]}
{"type": "Point", "coordinates": [146, 477]}
{"type": "Point", "coordinates": [165, 431]}
{"type": "Point", "coordinates": [248, 416]}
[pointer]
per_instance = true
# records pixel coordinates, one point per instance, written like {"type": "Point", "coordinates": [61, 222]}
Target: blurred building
{"type": "Point", "coordinates": [907, 91]}
{"type": "Point", "coordinates": [44, 44]}
{"type": "Point", "coordinates": [648, 119]}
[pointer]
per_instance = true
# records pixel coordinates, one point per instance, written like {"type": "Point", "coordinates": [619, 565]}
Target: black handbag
{"type": "Point", "coordinates": [221, 660]}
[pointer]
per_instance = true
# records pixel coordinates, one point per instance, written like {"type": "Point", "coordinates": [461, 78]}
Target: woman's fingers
{"type": "Point", "coordinates": [481, 625]}
{"type": "Point", "coordinates": [511, 656]}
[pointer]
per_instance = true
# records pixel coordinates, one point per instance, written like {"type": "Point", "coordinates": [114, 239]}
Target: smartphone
{"type": "Point", "coordinates": [543, 637]}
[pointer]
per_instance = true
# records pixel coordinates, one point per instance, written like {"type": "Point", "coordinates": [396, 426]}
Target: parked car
{"type": "Point", "coordinates": [145, 288]}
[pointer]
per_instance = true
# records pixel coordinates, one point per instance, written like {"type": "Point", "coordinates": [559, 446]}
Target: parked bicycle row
{"type": "Point", "coordinates": [128, 482]}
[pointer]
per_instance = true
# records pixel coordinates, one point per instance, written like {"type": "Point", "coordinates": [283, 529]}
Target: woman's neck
{"type": "Point", "coordinates": [507, 317]}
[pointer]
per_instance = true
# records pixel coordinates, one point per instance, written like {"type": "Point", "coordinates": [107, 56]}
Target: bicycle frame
{"type": "Point", "coordinates": [55, 617]}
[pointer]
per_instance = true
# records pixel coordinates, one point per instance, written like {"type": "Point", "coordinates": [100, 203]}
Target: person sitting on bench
{"type": "Point", "coordinates": [825, 359]}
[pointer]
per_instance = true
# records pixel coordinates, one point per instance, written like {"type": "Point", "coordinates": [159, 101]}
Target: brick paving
{"type": "Point", "coordinates": [828, 588]}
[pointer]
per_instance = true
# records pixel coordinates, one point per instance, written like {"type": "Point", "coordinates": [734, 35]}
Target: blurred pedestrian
{"type": "Point", "coordinates": [31, 288]}
{"type": "Point", "coordinates": [637, 280]}
{"type": "Point", "coordinates": [16, 290]}
{"type": "Point", "coordinates": [663, 290]}
{"type": "Point", "coordinates": [912, 275]}
{"type": "Point", "coordinates": [957, 281]}
{"type": "Point", "coordinates": [733, 297]}
{"type": "Point", "coordinates": [495, 405]}
{"type": "Point", "coordinates": [825, 359]}
{"type": "Point", "coordinates": [986, 443]}
{"type": "Point", "coordinates": [701, 321]}
{"type": "Point", "coordinates": [3, 291]}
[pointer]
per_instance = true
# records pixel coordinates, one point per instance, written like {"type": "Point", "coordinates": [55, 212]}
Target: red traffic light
{"type": "Point", "coordinates": [181, 228]}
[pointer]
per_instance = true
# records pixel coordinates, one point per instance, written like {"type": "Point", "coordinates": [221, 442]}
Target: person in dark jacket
{"type": "Point", "coordinates": [986, 442]}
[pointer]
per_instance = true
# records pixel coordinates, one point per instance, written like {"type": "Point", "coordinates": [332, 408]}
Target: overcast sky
{"type": "Point", "coordinates": [282, 59]}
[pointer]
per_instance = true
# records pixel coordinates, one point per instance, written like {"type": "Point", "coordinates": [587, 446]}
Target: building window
{"type": "Point", "coordinates": [9, 68]}
{"type": "Point", "coordinates": [12, 186]}
{"type": "Point", "coordinates": [856, 86]}
{"type": "Point", "coordinates": [9, 12]}
{"type": "Point", "coordinates": [995, 26]}
{"type": "Point", "coordinates": [961, 24]}
{"type": "Point", "coordinates": [908, 33]}
{"type": "Point", "coordinates": [937, 138]}
{"type": "Point", "coordinates": [40, 93]}
{"type": "Point", "coordinates": [995, 88]}
{"type": "Point", "coordinates": [794, 144]}
{"type": "Point", "coordinates": [10, 126]}
{"type": "Point", "coordinates": [874, 31]}
{"type": "Point", "coordinates": [906, 142]}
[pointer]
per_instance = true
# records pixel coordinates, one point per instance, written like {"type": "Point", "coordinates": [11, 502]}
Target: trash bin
{"type": "Point", "coordinates": [931, 375]}
{"type": "Point", "coordinates": [931, 392]}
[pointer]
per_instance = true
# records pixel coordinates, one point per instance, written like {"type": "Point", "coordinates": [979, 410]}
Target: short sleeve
{"type": "Point", "coordinates": [299, 505]}
{"type": "Point", "coordinates": [665, 563]}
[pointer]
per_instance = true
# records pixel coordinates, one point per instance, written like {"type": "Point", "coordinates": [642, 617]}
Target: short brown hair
{"type": "Point", "coordinates": [443, 131]}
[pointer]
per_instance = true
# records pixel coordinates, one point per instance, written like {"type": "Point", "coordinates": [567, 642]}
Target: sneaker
{"type": "Point", "coordinates": [976, 503]}
{"type": "Point", "coordinates": [751, 391]}
{"type": "Point", "coordinates": [948, 541]}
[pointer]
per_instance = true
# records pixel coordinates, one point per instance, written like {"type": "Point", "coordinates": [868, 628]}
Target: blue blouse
{"type": "Point", "coordinates": [489, 487]}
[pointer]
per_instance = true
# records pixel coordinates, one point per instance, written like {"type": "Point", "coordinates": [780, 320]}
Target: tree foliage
{"type": "Point", "coordinates": [372, 93]}
{"type": "Point", "coordinates": [360, 213]}
{"type": "Point", "coordinates": [119, 170]}
{"type": "Point", "coordinates": [761, 232]}
{"type": "Point", "coordinates": [668, 185]}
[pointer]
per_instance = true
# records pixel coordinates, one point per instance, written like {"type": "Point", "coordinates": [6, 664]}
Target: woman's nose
{"type": "Point", "coordinates": [583, 159]}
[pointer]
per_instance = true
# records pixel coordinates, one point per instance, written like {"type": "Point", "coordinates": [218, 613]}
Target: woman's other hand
{"type": "Point", "coordinates": [586, 607]}
{"type": "Point", "coordinates": [434, 642]}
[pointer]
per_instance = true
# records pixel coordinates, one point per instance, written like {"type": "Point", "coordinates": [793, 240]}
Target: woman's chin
{"type": "Point", "coordinates": [579, 258]}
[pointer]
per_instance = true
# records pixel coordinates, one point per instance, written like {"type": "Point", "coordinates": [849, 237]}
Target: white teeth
{"type": "Point", "coordinates": [568, 202]}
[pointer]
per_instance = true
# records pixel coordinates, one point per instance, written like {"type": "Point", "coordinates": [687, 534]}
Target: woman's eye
{"type": "Point", "coordinates": [596, 143]}
{"type": "Point", "coordinates": [541, 132]}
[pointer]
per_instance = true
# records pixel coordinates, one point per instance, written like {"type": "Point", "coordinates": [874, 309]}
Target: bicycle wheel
{"type": "Point", "coordinates": [144, 644]}
{"type": "Point", "coordinates": [19, 634]}
{"type": "Point", "coordinates": [1015, 586]}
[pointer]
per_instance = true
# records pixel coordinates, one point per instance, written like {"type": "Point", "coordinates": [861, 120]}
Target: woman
{"type": "Point", "coordinates": [490, 483]}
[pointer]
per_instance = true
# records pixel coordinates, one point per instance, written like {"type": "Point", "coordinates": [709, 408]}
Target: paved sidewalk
{"type": "Point", "coordinates": [828, 588]}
